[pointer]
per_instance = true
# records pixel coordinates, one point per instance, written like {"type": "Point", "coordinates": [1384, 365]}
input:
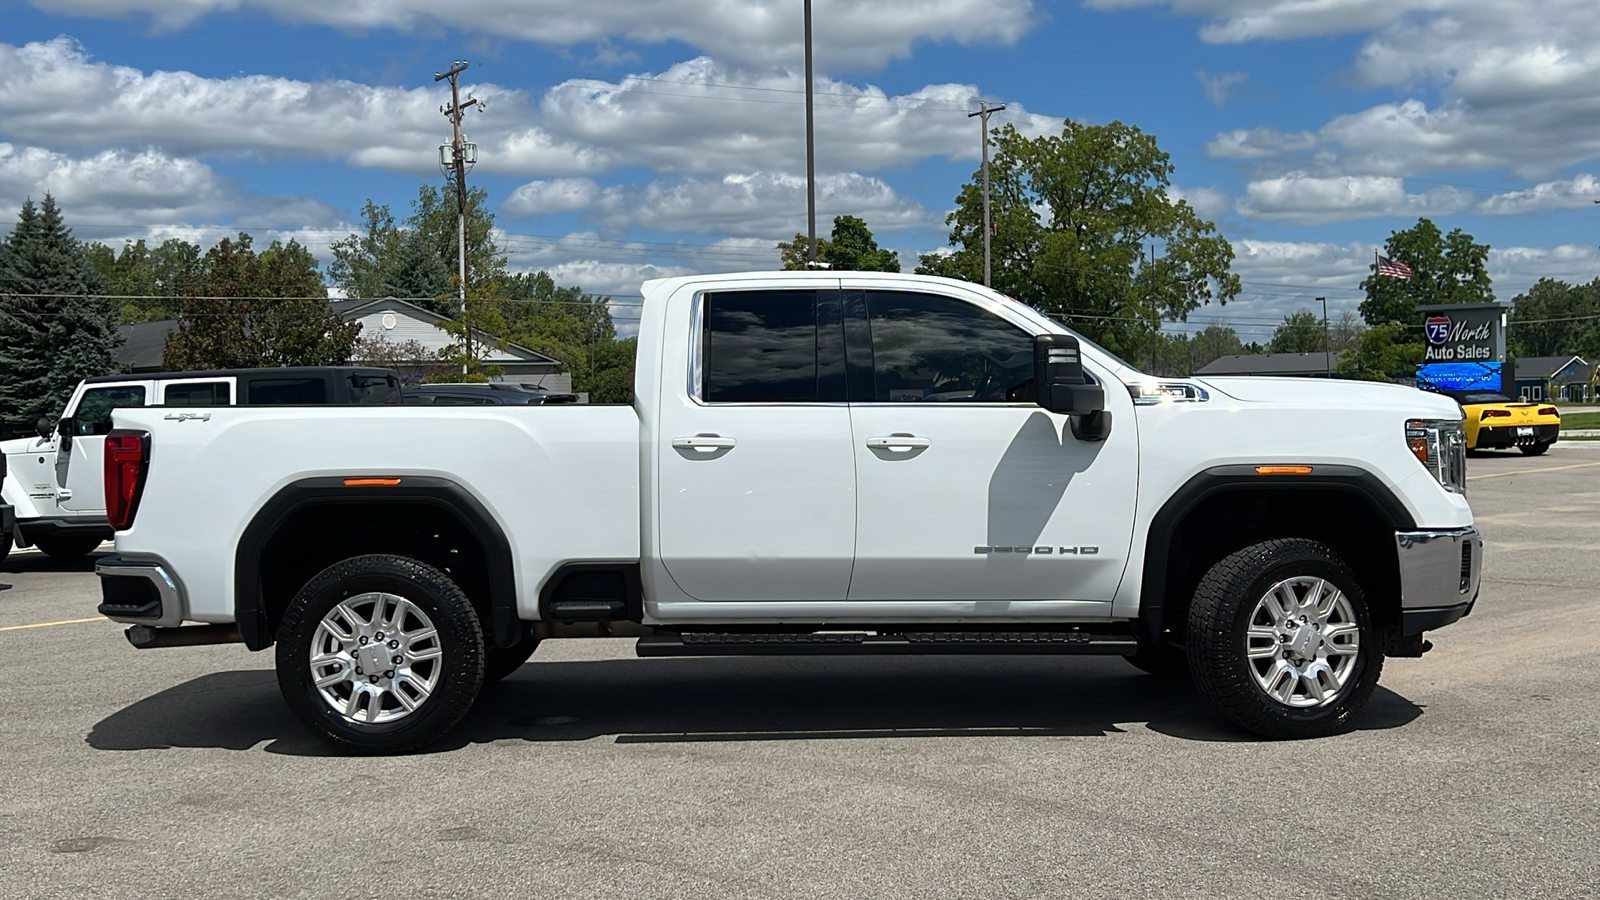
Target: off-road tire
{"type": "Point", "coordinates": [67, 547]}
{"type": "Point", "coordinates": [1220, 616]}
{"type": "Point", "coordinates": [460, 640]}
{"type": "Point", "coordinates": [500, 662]}
{"type": "Point", "coordinates": [1162, 660]}
{"type": "Point", "coordinates": [1535, 449]}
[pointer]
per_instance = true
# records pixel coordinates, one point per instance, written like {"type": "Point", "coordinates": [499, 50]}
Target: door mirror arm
{"type": "Point", "coordinates": [1061, 386]}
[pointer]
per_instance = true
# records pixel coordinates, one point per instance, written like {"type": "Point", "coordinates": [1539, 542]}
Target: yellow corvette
{"type": "Point", "coordinates": [1496, 422]}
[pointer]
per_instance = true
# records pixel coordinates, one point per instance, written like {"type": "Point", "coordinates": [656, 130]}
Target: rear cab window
{"type": "Point", "coordinates": [772, 346]}
{"type": "Point", "coordinates": [286, 391]}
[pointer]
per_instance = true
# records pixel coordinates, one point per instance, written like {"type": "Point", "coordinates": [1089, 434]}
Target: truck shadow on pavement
{"type": "Point", "coordinates": [763, 699]}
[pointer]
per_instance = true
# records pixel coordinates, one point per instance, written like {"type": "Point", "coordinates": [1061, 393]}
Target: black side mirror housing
{"type": "Point", "coordinates": [44, 428]}
{"type": "Point", "coordinates": [1061, 386]}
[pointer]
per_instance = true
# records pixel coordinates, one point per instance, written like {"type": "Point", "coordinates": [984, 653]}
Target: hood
{"type": "Point", "coordinates": [1323, 393]}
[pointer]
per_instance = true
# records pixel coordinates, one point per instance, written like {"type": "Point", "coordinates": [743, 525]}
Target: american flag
{"type": "Point", "coordinates": [1389, 268]}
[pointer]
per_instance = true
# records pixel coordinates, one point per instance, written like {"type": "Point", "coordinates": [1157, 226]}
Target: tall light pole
{"type": "Point", "coordinates": [1327, 355]}
{"type": "Point", "coordinates": [811, 154]}
{"type": "Point", "coordinates": [984, 112]}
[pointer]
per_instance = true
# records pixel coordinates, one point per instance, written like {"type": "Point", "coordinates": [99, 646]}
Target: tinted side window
{"type": "Point", "coordinates": [374, 389]}
{"type": "Point", "coordinates": [927, 348]}
{"type": "Point", "coordinates": [773, 347]}
{"type": "Point", "coordinates": [200, 393]}
{"type": "Point", "coordinates": [287, 391]}
{"type": "Point", "coordinates": [460, 400]}
{"type": "Point", "coordinates": [94, 410]}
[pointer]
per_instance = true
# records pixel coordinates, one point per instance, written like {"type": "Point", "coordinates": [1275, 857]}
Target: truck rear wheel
{"type": "Point", "coordinates": [1281, 640]}
{"type": "Point", "coordinates": [380, 654]}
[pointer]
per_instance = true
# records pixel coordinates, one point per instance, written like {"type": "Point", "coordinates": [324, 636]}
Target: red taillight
{"type": "Point", "coordinates": [1495, 413]}
{"type": "Point", "coordinates": [127, 455]}
{"type": "Point", "coordinates": [1548, 411]}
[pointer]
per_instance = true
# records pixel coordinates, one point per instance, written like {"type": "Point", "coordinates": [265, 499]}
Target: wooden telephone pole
{"type": "Point", "coordinates": [461, 156]}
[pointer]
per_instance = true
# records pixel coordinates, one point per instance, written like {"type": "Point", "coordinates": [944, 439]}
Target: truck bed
{"type": "Point", "coordinates": [562, 481]}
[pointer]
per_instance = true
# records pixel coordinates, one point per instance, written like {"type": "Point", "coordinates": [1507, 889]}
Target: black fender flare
{"type": "Point", "coordinates": [442, 493]}
{"type": "Point", "coordinates": [1224, 479]}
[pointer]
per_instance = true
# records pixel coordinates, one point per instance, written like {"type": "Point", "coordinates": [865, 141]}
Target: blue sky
{"type": "Point", "coordinates": [631, 140]}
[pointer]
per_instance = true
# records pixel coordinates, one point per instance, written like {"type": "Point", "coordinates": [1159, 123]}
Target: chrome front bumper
{"type": "Point", "coordinates": [1439, 574]}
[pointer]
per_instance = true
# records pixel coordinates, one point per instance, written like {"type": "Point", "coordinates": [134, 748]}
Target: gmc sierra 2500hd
{"type": "Point", "coordinates": [815, 463]}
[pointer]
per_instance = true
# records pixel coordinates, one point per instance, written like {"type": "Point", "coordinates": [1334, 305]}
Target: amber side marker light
{"type": "Point", "coordinates": [1283, 470]}
{"type": "Point", "coordinates": [371, 482]}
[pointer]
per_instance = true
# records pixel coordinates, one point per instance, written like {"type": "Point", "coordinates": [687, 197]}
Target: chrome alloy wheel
{"type": "Point", "coordinates": [1303, 641]}
{"type": "Point", "coordinates": [376, 658]}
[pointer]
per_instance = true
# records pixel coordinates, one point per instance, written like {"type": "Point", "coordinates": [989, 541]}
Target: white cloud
{"type": "Point", "coordinates": [848, 34]}
{"type": "Point", "coordinates": [697, 116]}
{"type": "Point", "coordinates": [119, 188]}
{"type": "Point", "coordinates": [1515, 269]}
{"type": "Point", "coordinates": [557, 195]}
{"type": "Point", "coordinates": [1209, 202]}
{"type": "Point", "coordinates": [769, 206]}
{"type": "Point", "coordinates": [1304, 199]}
{"type": "Point", "coordinates": [1518, 82]}
{"type": "Point", "coordinates": [1219, 86]}
{"type": "Point", "coordinates": [1579, 192]}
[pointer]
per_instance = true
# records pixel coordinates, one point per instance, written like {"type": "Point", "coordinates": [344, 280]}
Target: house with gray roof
{"type": "Point", "coordinates": [1554, 378]}
{"type": "Point", "coordinates": [396, 322]}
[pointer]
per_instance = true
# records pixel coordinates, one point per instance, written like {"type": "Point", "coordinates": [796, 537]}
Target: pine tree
{"type": "Point", "coordinates": [55, 327]}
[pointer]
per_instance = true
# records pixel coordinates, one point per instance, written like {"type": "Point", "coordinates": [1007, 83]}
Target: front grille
{"type": "Point", "coordinates": [1466, 565]}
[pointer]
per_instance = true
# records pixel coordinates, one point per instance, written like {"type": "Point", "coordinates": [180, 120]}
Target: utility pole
{"type": "Point", "coordinates": [984, 111]}
{"type": "Point", "coordinates": [461, 156]}
{"type": "Point", "coordinates": [1327, 349]}
{"type": "Point", "coordinates": [811, 155]}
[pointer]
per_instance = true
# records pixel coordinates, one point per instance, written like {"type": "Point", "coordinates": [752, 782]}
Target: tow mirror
{"type": "Point", "coordinates": [44, 428]}
{"type": "Point", "coordinates": [1061, 386]}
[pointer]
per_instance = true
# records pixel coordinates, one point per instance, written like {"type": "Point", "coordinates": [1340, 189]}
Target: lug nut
{"type": "Point", "coordinates": [398, 659]}
{"type": "Point", "coordinates": [363, 640]}
{"type": "Point", "coordinates": [358, 671]}
{"type": "Point", "coordinates": [389, 674]}
{"type": "Point", "coordinates": [394, 645]}
{"type": "Point", "coordinates": [372, 678]}
{"type": "Point", "coordinates": [378, 636]}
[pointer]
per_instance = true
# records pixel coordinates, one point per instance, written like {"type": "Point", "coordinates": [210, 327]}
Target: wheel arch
{"type": "Point", "coordinates": [435, 520]}
{"type": "Point", "coordinates": [1227, 507]}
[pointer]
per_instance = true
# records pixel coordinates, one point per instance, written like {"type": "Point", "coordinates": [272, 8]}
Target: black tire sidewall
{"type": "Point", "coordinates": [66, 548]}
{"type": "Point", "coordinates": [1248, 704]}
{"type": "Point", "coordinates": [460, 641]}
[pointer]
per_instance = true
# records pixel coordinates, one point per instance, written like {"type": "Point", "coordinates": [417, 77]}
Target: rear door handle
{"type": "Point", "coordinates": [899, 443]}
{"type": "Point", "coordinates": [704, 443]}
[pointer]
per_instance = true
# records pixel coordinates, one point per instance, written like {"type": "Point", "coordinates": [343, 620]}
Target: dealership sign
{"type": "Point", "coordinates": [1464, 347]}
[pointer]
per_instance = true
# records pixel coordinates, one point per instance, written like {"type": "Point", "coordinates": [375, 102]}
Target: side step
{"type": "Point", "coordinates": [878, 643]}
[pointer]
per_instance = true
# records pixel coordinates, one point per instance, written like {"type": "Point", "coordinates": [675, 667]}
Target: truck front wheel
{"type": "Point", "coordinates": [1281, 640]}
{"type": "Point", "coordinates": [380, 654]}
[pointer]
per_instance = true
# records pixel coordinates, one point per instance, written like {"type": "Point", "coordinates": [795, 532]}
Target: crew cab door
{"type": "Point", "coordinates": [966, 489]}
{"type": "Point", "coordinates": [756, 477]}
{"type": "Point", "coordinates": [80, 464]}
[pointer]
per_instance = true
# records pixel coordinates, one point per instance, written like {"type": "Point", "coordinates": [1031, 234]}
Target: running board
{"type": "Point", "coordinates": [877, 643]}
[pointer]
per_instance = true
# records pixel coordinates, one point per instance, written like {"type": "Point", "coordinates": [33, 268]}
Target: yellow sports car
{"type": "Point", "coordinates": [1496, 422]}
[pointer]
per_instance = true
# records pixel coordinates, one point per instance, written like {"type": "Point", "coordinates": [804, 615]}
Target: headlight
{"type": "Point", "coordinates": [1441, 446]}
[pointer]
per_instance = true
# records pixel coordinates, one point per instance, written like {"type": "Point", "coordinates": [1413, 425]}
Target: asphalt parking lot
{"type": "Point", "coordinates": [1475, 771]}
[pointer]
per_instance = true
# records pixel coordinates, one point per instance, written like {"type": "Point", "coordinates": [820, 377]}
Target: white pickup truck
{"type": "Point", "coordinates": [815, 463]}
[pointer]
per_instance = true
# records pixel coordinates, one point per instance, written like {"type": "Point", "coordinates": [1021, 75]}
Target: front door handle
{"type": "Point", "coordinates": [899, 443]}
{"type": "Point", "coordinates": [705, 443]}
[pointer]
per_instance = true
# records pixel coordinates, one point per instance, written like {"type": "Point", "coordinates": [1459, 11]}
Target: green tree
{"type": "Point", "coordinates": [1185, 354]}
{"type": "Point", "coordinates": [1073, 216]}
{"type": "Point", "coordinates": [56, 327]}
{"type": "Point", "coordinates": [247, 310]}
{"type": "Point", "coordinates": [851, 248]}
{"type": "Point", "coordinates": [1300, 332]}
{"type": "Point", "coordinates": [1554, 318]}
{"type": "Point", "coordinates": [147, 282]}
{"type": "Point", "coordinates": [1445, 268]}
{"type": "Point", "coordinates": [574, 327]}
